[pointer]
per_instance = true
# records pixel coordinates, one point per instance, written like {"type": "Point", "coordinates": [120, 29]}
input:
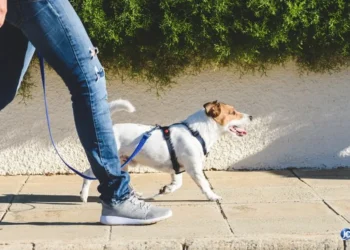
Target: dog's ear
{"type": "Point", "coordinates": [212, 109]}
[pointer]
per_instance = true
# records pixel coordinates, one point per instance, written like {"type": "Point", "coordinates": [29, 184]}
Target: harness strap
{"type": "Point", "coordinates": [166, 135]}
{"type": "Point", "coordinates": [198, 136]}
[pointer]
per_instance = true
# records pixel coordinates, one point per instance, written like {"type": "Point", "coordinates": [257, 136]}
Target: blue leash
{"type": "Point", "coordinates": [142, 142]}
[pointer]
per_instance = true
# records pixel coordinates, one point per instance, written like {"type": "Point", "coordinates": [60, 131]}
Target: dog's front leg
{"type": "Point", "coordinates": [198, 176]}
{"type": "Point", "coordinates": [176, 183]}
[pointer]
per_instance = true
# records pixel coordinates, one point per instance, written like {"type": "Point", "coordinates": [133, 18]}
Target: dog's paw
{"type": "Point", "coordinates": [84, 196]}
{"type": "Point", "coordinates": [214, 197]}
{"type": "Point", "coordinates": [167, 189]}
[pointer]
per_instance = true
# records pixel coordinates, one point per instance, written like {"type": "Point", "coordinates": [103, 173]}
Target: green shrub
{"type": "Point", "coordinates": [159, 39]}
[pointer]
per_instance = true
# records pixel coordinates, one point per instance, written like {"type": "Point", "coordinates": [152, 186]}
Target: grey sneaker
{"type": "Point", "coordinates": [132, 211]}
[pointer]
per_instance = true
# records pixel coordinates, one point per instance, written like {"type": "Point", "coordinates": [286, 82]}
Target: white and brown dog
{"type": "Point", "coordinates": [211, 122]}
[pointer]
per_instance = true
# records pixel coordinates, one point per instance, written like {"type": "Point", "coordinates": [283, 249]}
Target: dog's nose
{"type": "Point", "coordinates": [250, 117]}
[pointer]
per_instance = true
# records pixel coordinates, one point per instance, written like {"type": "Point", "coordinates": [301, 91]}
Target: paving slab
{"type": "Point", "coordinates": [41, 225]}
{"type": "Point", "coordinates": [8, 179]}
{"type": "Point", "coordinates": [329, 193]}
{"type": "Point", "coordinates": [260, 187]}
{"type": "Point", "coordinates": [265, 210]}
{"type": "Point", "coordinates": [16, 246]}
{"type": "Point", "coordinates": [342, 208]}
{"type": "Point", "coordinates": [158, 180]}
{"type": "Point", "coordinates": [188, 221]}
{"type": "Point", "coordinates": [229, 243]}
{"type": "Point", "coordinates": [9, 186]}
{"type": "Point", "coordinates": [268, 243]}
{"type": "Point", "coordinates": [283, 218]}
{"type": "Point", "coordinates": [64, 178]}
{"type": "Point", "coordinates": [145, 245]}
{"type": "Point", "coordinates": [328, 184]}
{"type": "Point", "coordinates": [149, 184]}
{"type": "Point", "coordinates": [62, 192]}
{"type": "Point", "coordinates": [63, 245]}
{"type": "Point", "coordinates": [252, 178]}
{"type": "Point", "coordinates": [54, 192]}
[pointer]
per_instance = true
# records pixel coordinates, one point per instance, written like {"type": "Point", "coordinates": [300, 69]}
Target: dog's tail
{"type": "Point", "coordinates": [121, 105]}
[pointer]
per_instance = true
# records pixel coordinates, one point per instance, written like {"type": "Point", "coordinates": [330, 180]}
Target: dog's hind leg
{"type": "Point", "coordinates": [84, 193]}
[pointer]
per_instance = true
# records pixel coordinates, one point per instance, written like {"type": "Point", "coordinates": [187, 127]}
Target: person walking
{"type": "Point", "coordinates": [53, 28]}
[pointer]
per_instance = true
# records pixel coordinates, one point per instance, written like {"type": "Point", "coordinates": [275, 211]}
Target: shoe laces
{"type": "Point", "coordinates": [136, 201]}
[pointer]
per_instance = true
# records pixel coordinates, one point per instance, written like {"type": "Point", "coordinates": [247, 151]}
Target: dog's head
{"type": "Point", "coordinates": [228, 117]}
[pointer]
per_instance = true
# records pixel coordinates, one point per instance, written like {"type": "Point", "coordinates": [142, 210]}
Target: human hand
{"type": "Point", "coordinates": [3, 11]}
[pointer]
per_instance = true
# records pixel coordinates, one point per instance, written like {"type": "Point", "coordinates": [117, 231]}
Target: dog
{"type": "Point", "coordinates": [213, 121]}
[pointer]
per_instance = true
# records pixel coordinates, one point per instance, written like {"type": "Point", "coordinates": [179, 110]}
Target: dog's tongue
{"type": "Point", "coordinates": [241, 130]}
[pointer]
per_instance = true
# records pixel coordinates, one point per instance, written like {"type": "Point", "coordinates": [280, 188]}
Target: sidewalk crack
{"type": "Point", "coordinates": [13, 197]}
{"type": "Point", "coordinates": [220, 207]}
{"type": "Point", "coordinates": [110, 234]}
{"type": "Point", "coordinates": [324, 202]}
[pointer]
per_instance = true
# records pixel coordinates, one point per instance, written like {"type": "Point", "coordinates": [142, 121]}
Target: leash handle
{"type": "Point", "coordinates": [136, 151]}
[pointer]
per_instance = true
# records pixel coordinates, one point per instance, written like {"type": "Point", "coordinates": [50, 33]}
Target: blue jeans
{"type": "Point", "coordinates": [55, 30]}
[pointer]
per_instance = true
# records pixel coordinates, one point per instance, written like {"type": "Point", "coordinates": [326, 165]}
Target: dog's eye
{"type": "Point", "coordinates": [233, 112]}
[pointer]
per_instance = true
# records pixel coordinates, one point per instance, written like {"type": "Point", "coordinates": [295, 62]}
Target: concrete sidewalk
{"type": "Point", "coordinates": [290, 209]}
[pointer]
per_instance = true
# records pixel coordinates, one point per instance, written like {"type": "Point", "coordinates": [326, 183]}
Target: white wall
{"type": "Point", "coordinates": [300, 121]}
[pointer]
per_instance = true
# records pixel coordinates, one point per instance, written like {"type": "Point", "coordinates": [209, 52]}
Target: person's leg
{"type": "Point", "coordinates": [57, 33]}
{"type": "Point", "coordinates": [16, 53]}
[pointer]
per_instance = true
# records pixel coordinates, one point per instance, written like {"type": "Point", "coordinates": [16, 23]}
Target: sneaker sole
{"type": "Point", "coordinates": [115, 220]}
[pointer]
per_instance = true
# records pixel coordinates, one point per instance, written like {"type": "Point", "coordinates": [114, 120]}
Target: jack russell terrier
{"type": "Point", "coordinates": [180, 147]}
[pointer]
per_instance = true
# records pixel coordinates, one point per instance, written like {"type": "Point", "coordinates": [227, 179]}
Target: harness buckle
{"type": "Point", "coordinates": [195, 133]}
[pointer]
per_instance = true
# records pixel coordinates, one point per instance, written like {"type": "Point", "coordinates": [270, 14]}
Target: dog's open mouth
{"type": "Point", "coordinates": [238, 131]}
